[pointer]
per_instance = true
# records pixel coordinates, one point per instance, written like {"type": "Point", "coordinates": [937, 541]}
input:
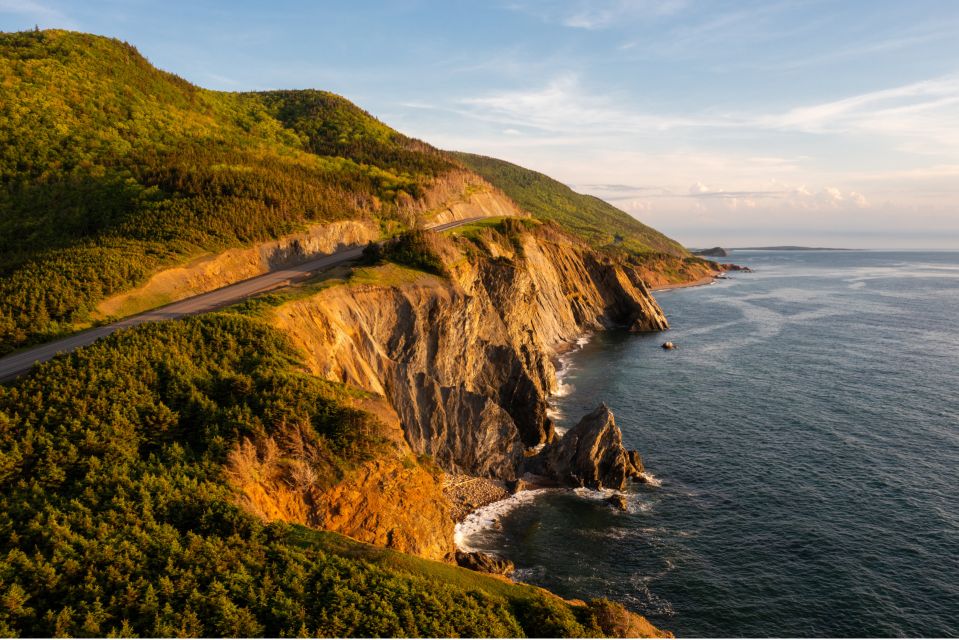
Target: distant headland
{"type": "Point", "coordinates": [720, 252]}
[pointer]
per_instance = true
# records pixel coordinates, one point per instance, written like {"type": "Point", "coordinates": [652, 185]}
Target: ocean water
{"type": "Point", "coordinates": [805, 437]}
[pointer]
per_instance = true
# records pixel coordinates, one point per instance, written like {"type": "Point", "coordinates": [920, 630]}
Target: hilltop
{"type": "Point", "coordinates": [600, 223]}
{"type": "Point", "coordinates": [112, 170]}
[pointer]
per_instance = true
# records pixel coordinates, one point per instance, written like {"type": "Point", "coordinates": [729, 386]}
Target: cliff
{"type": "Point", "coordinates": [193, 433]}
{"type": "Point", "coordinates": [466, 362]}
{"type": "Point", "coordinates": [387, 499]}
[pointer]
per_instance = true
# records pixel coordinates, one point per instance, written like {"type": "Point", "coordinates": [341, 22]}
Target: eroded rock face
{"type": "Point", "coordinates": [466, 362]}
{"type": "Point", "coordinates": [479, 561]}
{"type": "Point", "coordinates": [389, 500]}
{"type": "Point", "coordinates": [591, 454]}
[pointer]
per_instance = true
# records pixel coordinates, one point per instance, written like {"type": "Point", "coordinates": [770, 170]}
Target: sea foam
{"type": "Point", "coordinates": [488, 517]}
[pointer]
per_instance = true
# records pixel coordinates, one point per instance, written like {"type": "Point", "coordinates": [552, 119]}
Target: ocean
{"type": "Point", "coordinates": [804, 437]}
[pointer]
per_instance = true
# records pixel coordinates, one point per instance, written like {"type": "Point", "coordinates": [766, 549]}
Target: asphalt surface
{"type": "Point", "coordinates": [17, 364]}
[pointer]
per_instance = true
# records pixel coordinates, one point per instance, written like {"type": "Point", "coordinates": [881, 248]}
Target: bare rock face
{"type": "Point", "coordinates": [388, 500]}
{"type": "Point", "coordinates": [591, 454]}
{"type": "Point", "coordinates": [479, 561]}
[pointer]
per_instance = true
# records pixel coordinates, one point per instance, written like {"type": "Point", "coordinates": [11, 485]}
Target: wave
{"type": "Point", "coordinates": [650, 479]}
{"type": "Point", "coordinates": [565, 361]}
{"type": "Point", "coordinates": [488, 517]}
{"type": "Point", "coordinates": [634, 503]}
{"type": "Point", "coordinates": [555, 414]}
{"type": "Point", "coordinates": [563, 388]}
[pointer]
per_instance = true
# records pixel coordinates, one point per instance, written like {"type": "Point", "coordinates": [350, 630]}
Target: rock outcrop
{"type": "Point", "coordinates": [389, 500]}
{"type": "Point", "coordinates": [715, 252]}
{"type": "Point", "coordinates": [479, 561]}
{"type": "Point", "coordinates": [591, 454]}
{"type": "Point", "coordinates": [233, 265]}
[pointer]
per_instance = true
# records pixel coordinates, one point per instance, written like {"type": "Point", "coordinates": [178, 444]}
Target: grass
{"type": "Point", "coordinates": [387, 274]}
{"type": "Point", "coordinates": [598, 222]}
{"type": "Point", "coordinates": [335, 543]}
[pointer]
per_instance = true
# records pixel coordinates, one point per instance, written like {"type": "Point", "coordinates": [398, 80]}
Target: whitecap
{"type": "Point", "coordinates": [650, 479]}
{"type": "Point", "coordinates": [595, 494]}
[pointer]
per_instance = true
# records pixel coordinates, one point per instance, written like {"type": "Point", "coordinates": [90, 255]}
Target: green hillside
{"type": "Point", "coordinates": [116, 516]}
{"type": "Point", "coordinates": [599, 222]}
{"type": "Point", "coordinates": [111, 169]}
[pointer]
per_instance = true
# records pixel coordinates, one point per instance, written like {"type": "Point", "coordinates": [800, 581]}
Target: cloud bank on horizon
{"type": "Point", "coordinates": [717, 122]}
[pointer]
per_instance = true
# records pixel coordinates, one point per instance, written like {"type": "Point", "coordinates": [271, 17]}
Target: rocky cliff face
{"type": "Point", "coordinates": [390, 500]}
{"type": "Point", "coordinates": [466, 362]}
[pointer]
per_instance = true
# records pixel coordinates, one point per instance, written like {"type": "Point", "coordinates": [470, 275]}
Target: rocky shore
{"type": "Point", "coordinates": [468, 493]}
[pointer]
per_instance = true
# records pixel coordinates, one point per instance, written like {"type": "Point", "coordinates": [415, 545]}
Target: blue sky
{"type": "Point", "coordinates": [827, 122]}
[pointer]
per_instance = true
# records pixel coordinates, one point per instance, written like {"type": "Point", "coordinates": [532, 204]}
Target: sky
{"type": "Point", "coordinates": [832, 123]}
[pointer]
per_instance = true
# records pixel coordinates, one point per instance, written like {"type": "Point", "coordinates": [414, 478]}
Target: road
{"type": "Point", "coordinates": [17, 364]}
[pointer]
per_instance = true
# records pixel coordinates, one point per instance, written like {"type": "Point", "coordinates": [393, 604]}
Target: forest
{"type": "Point", "coordinates": [111, 169]}
{"type": "Point", "coordinates": [116, 517]}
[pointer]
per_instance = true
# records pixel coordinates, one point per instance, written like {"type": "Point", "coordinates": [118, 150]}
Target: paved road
{"type": "Point", "coordinates": [19, 363]}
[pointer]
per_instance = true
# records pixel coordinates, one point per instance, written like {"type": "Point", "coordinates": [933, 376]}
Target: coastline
{"type": "Point", "coordinates": [683, 285]}
{"type": "Point", "coordinates": [467, 494]}
{"type": "Point", "coordinates": [470, 495]}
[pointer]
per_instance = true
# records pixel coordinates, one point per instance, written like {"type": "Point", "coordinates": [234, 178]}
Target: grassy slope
{"type": "Point", "coordinates": [116, 515]}
{"type": "Point", "coordinates": [111, 169]}
{"type": "Point", "coordinates": [599, 222]}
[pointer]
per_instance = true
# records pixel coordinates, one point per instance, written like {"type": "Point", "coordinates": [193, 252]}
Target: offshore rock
{"type": "Point", "coordinates": [592, 455]}
{"type": "Point", "coordinates": [618, 500]}
{"type": "Point", "coordinates": [479, 561]}
{"type": "Point", "coordinates": [715, 252]}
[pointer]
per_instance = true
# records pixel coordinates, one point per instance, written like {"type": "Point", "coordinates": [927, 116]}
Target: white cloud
{"type": "Point", "coordinates": [43, 15]}
{"type": "Point", "coordinates": [699, 188]}
{"type": "Point", "coordinates": [859, 199]}
{"type": "Point", "coordinates": [922, 115]}
{"type": "Point", "coordinates": [565, 105]}
{"type": "Point", "coordinates": [596, 14]}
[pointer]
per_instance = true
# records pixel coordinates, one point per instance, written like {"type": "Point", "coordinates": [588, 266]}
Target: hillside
{"type": "Point", "coordinates": [196, 477]}
{"type": "Point", "coordinates": [118, 513]}
{"type": "Point", "coordinates": [111, 169]}
{"type": "Point", "coordinates": [600, 223]}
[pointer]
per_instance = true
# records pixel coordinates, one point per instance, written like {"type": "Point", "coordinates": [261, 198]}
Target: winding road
{"type": "Point", "coordinates": [18, 363]}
